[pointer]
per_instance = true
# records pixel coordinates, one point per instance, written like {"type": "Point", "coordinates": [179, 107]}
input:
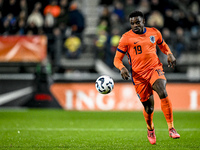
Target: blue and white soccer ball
{"type": "Point", "coordinates": [104, 84]}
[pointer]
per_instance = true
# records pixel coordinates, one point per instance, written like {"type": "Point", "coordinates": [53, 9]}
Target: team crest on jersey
{"type": "Point", "coordinates": [152, 39]}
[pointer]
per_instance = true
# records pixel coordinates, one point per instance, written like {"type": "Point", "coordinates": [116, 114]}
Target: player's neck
{"type": "Point", "coordinates": [142, 32]}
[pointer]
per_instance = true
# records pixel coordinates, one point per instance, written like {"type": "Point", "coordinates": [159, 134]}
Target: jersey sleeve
{"type": "Point", "coordinates": [123, 44]}
{"type": "Point", "coordinates": [162, 44]}
{"type": "Point", "coordinates": [118, 60]}
{"type": "Point", "coordinates": [120, 52]}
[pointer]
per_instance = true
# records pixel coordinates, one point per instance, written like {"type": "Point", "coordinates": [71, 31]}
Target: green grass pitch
{"type": "Point", "coordinates": [54, 129]}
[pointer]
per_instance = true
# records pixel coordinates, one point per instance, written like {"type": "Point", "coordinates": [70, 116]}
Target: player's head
{"type": "Point", "coordinates": [137, 21]}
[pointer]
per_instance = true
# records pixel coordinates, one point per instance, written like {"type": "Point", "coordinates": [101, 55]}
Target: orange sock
{"type": "Point", "coordinates": [166, 107]}
{"type": "Point", "coordinates": [149, 120]}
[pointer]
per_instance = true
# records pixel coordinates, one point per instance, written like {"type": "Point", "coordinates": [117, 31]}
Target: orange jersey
{"type": "Point", "coordinates": [141, 51]}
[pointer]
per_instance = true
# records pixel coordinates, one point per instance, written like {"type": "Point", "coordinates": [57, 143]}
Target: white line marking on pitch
{"type": "Point", "coordinates": [91, 129]}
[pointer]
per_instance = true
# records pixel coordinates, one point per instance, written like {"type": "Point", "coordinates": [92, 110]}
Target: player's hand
{"type": "Point", "coordinates": [124, 73]}
{"type": "Point", "coordinates": [171, 60]}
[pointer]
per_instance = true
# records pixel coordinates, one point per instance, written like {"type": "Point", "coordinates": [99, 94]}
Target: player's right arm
{"type": "Point", "coordinates": [119, 55]}
{"type": "Point", "coordinates": [119, 64]}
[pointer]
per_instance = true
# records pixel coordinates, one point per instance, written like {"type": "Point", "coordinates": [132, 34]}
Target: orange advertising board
{"type": "Point", "coordinates": [84, 96]}
{"type": "Point", "coordinates": [23, 48]}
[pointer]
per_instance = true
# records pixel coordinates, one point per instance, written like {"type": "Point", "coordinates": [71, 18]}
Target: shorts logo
{"type": "Point", "coordinates": [160, 72]}
{"type": "Point", "coordinates": [152, 39]}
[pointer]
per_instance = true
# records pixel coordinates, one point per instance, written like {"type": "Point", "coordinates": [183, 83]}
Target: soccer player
{"type": "Point", "coordinates": [147, 74]}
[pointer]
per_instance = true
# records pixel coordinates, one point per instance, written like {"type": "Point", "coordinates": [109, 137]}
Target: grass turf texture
{"type": "Point", "coordinates": [58, 129]}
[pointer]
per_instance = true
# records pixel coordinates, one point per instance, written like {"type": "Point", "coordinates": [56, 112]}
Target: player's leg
{"type": "Point", "coordinates": [145, 93]}
{"type": "Point", "coordinates": [158, 82]}
{"type": "Point", "coordinates": [160, 87]}
{"type": "Point", "coordinates": [148, 115]}
{"type": "Point", "coordinates": [148, 112]}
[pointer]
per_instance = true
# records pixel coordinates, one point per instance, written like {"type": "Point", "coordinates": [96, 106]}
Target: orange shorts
{"type": "Point", "coordinates": [144, 88]}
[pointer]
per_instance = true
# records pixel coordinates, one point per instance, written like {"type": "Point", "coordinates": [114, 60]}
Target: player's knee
{"type": "Point", "coordinates": [160, 88]}
{"type": "Point", "coordinates": [162, 93]}
{"type": "Point", "coordinates": [149, 110]}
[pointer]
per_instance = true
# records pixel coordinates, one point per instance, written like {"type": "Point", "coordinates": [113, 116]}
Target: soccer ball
{"type": "Point", "coordinates": [104, 84]}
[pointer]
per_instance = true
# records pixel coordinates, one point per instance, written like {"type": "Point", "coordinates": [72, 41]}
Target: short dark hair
{"type": "Point", "coordinates": [136, 14]}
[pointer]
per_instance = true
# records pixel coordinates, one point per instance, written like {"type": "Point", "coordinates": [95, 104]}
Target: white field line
{"type": "Point", "coordinates": [92, 129]}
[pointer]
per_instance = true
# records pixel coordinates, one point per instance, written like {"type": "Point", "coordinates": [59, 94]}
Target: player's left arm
{"type": "Point", "coordinates": [166, 50]}
{"type": "Point", "coordinates": [171, 60]}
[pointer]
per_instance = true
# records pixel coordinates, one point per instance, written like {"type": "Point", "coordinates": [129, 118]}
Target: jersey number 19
{"type": "Point", "coordinates": [138, 49]}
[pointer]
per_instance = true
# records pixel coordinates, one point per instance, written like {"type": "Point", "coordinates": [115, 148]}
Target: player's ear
{"type": "Point", "coordinates": [143, 21]}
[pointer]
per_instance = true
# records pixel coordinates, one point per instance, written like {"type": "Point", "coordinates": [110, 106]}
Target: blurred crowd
{"type": "Point", "coordinates": [63, 22]}
{"type": "Point", "coordinates": [177, 20]}
{"type": "Point", "coordinates": [58, 19]}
